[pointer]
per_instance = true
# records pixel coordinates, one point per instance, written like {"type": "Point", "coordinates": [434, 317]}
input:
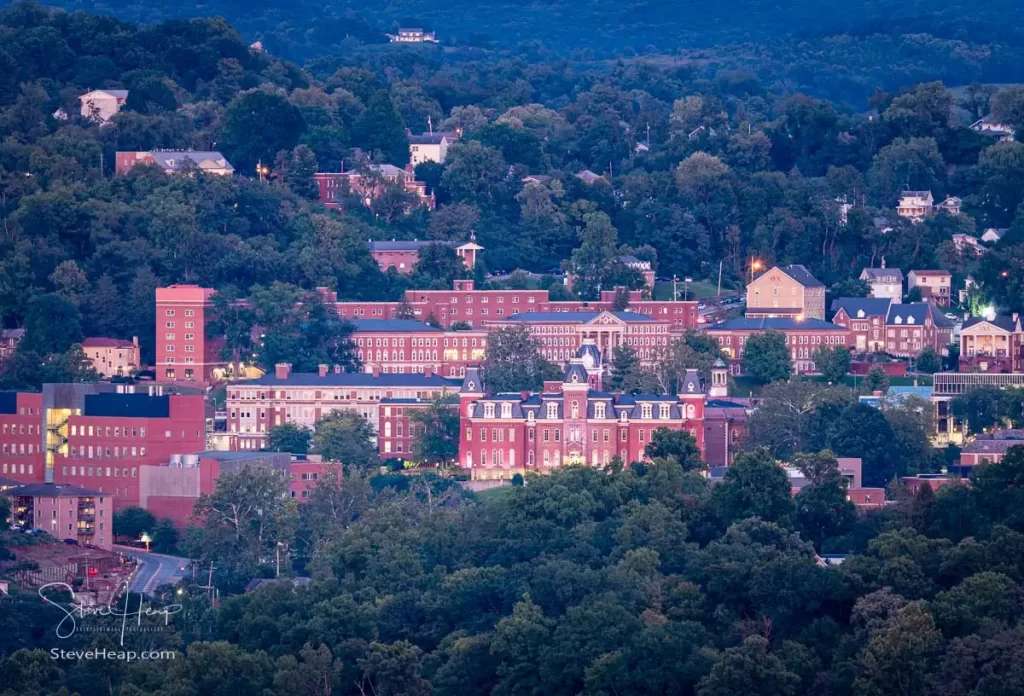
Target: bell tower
{"type": "Point", "coordinates": [719, 380]}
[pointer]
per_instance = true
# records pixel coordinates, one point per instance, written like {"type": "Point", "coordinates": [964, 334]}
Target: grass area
{"type": "Point", "coordinates": [698, 290]}
{"type": "Point", "coordinates": [495, 493]}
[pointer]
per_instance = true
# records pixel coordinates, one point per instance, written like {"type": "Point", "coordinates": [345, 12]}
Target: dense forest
{"type": "Point", "coordinates": [696, 168]}
{"type": "Point", "coordinates": [643, 580]}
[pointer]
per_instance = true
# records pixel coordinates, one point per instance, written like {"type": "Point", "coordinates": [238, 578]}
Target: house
{"type": "Point", "coordinates": [112, 357]}
{"type": "Point", "coordinates": [568, 423]}
{"type": "Point", "coordinates": [413, 35]}
{"type": "Point", "coordinates": [786, 291]}
{"type": "Point", "coordinates": [885, 282]}
{"type": "Point", "coordinates": [912, 327]}
{"type": "Point", "coordinates": [428, 147]}
{"type": "Point", "coordinates": [803, 337]}
{"type": "Point", "coordinates": [700, 131]}
{"type": "Point", "coordinates": [642, 267]}
{"type": "Point", "coordinates": [967, 244]}
{"type": "Point", "coordinates": [993, 234]}
{"type": "Point", "coordinates": [990, 125]}
{"type": "Point", "coordinates": [990, 447]}
{"type": "Point", "coordinates": [403, 255]}
{"type": "Point", "coordinates": [951, 205]}
{"type": "Point", "coordinates": [369, 183]}
{"type": "Point", "coordinates": [915, 205]}
{"type": "Point", "coordinates": [65, 512]}
{"type": "Point", "coordinates": [992, 344]}
{"type": "Point", "coordinates": [101, 105]}
{"type": "Point", "coordinates": [175, 161]}
{"type": "Point", "coordinates": [9, 340]}
{"type": "Point", "coordinates": [865, 317]}
{"type": "Point", "coordinates": [588, 177]}
{"type": "Point", "coordinates": [934, 285]}
{"type": "Point", "coordinates": [537, 179]}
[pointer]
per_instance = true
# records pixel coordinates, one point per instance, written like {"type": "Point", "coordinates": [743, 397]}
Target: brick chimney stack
{"type": "Point", "coordinates": [282, 370]}
{"type": "Point", "coordinates": [323, 369]}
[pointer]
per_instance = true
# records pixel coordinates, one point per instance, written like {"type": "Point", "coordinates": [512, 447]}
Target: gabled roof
{"type": "Point", "coordinates": [800, 274]}
{"type": "Point", "coordinates": [915, 313]}
{"type": "Point", "coordinates": [932, 274]}
{"type": "Point", "coordinates": [870, 274]}
{"type": "Point", "coordinates": [202, 159]}
{"type": "Point", "coordinates": [588, 177]}
{"type": "Point", "coordinates": [1008, 324]}
{"type": "Point", "coordinates": [12, 334]}
{"type": "Point", "coordinates": [860, 307]}
{"type": "Point", "coordinates": [118, 93]}
{"type": "Point", "coordinates": [574, 317]}
{"type": "Point", "coordinates": [406, 245]}
{"type": "Point", "coordinates": [52, 490]}
{"type": "Point", "coordinates": [103, 342]}
{"type": "Point", "coordinates": [774, 324]}
{"type": "Point", "coordinates": [427, 139]}
{"type": "Point", "coordinates": [915, 194]}
{"type": "Point", "coordinates": [392, 325]}
{"type": "Point", "coordinates": [980, 446]}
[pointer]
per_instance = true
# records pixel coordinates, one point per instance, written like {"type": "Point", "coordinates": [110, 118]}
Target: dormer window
{"type": "Point", "coordinates": [530, 416]}
{"type": "Point", "coordinates": [552, 410]}
{"type": "Point", "coordinates": [598, 410]}
{"type": "Point", "coordinates": [910, 320]}
{"type": "Point", "coordinates": [488, 410]}
{"type": "Point", "coordinates": [506, 410]}
{"type": "Point", "coordinates": [860, 313]}
{"type": "Point", "coordinates": [663, 411]}
{"type": "Point", "coordinates": [899, 320]}
{"type": "Point", "coordinates": [624, 417]}
{"type": "Point", "coordinates": [645, 411]}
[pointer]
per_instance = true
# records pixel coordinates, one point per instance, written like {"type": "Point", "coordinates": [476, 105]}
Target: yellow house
{"type": "Point", "coordinates": [786, 291]}
{"type": "Point", "coordinates": [112, 357]}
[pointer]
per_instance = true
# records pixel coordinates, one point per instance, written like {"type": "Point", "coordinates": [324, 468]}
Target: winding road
{"type": "Point", "coordinates": [155, 569]}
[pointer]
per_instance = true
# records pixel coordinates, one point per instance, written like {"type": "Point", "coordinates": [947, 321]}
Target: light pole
{"type": "Point", "coordinates": [755, 265]}
{"type": "Point", "coordinates": [277, 573]}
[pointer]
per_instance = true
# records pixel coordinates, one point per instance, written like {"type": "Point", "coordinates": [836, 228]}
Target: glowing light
{"type": "Point", "coordinates": [989, 313]}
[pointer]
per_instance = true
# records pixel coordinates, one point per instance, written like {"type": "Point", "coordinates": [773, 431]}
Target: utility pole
{"type": "Point", "coordinates": [675, 290]}
{"type": "Point", "coordinates": [686, 288]}
{"type": "Point", "coordinates": [719, 279]}
{"type": "Point", "coordinates": [430, 125]}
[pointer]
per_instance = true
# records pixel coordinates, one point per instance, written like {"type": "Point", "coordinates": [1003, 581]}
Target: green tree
{"type": "Point", "coordinates": [256, 126]}
{"type": "Point", "coordinates": [766, 357]}
{"type": "Point", "coordinates": [898, 655]}
{"type": "Point", "coordinates": [314, 672]}
{"type": "Point", "coordinates": [164, 536]}
{"type": "Point", "coordinates": [822, 508]}
{"type": "Point", "coordinates": [474, 173]}
{"type": "Point", "coordinates": [749, 668]}
{"type": "Point", "coordinates": [851, 287]}
{"type": "Point", "coordinates": [863, 431]}
{"type": "Point", "coordinates": [913, 164]}
{"type": "Point", "coordinates": [833, 362]}
{"type": "Point", "coordinates": [232, 320]}
{"type": "Point", "coordinates": [677, 444]}
{"type": "Point", "coordinates": [380, 129]}
{"type": "Point", "coordinates": [393, 670]}
{"type": "Point", "coordinates": [346, 437]}
{"type": "Point", "coordinates": [436, 432]}
{"type": "Point", "coordinates": [289, 437]}
{"type": "Point", "coordinates": [594, 259]}
{"type": "Point", "coordinates": [131, 522]}
{"type": "Point", "coordinates": [627, 375]}
{"type": "Point", "coordinates": [52, 325]}
{"type": "Point", "coordinates": [928, 361]}
{"type": "Point", "coordinates": [299, 173]}
{"type": "Point", "coordinates": [754, 486]}
{"type": "Point", "coordinates": [876, 380]}
{"type": "Point", "coordinates": [514, 362]}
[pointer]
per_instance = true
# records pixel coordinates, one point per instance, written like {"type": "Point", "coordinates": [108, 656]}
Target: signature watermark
{"type": "Point", "coordinates": [104, 654]}
{"type": "Point", "coordinates": [131, 616]}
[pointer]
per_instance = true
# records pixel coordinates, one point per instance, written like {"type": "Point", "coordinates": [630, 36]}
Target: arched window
{"type": "Point", "coordinates": [575, 409]}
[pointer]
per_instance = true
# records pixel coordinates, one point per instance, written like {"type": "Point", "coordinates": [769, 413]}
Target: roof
{"type": "Point", "coordinates": [915, 313]}
{"type": "Point", "coordinates": [392, 325]}
{"type": "Point", "coordinates": [774, 324]}
{"type": "Point", "coordinates": [990, 446]}
{"type": "Point", "coordinates": [628, 259]}
{"type": "Point", "coordinates": [881, 273]}
{"type": "Point", "coordinates": [938, 274]}
{"type": "Point", "coordinates": [579, 317]}
{"type": "Point", "coordinates": [406, 245]}
{"type": "Point", "coordinates": [915, 194]}
{"type": "Point", "coordinates": [256, 583]}
{"type": "Point", "coordinates": [8, 483]}
{"type": "Point", "coordinates": [588, 177]}
{"type": "Point", "coordinates": [112, 404]}
{"type": "Point", "coordinates": [800, 274]}
{"type": "Point", "coordinates": [354, 379]}
{"type": "Point", "coordinates": [860, 307]}
{"type": "Point", "coordinates": [427, 139]}
{"type": "Point", "coordinates": [12, 334]}
{"type": "Point", "coordinates": [902, 392]}
{"type": "Point", "coordinates": [102, 342]}
{"type": "Point", "coordinates": [52, 490]}
{"type": "Point", "coordinates": [1008, 324]}
{"type": "Point", "coordinates": [175, 159]}
{"type": "Point", "coordinates": [119, 93]}
{"type": "Point", "coordinates": [223, 456]}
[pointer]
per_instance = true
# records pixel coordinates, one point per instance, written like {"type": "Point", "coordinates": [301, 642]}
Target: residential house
{"type": "Point", "coordinates": [588, 177]}
{"type": "Point", "coordinates": [175, 161]}
{"type": "Point", "coordinates": [786, 291]}
{"type": "Point", "coordinates": [990, 125]}
{"type": "Point", "coordinates": [642, 267]}
{"type": "Point", "coordinates": [934, 285]}
{"type": "Point", "coordinates": [951, 205]}
{"type": "Point", "coordinates": [912, 327]}
{"type": "Point", "coordinates": [992, 344]}
{"type": "Point", "coordinates": [884, 282]}
{"type": "Point", "coordinates": [865, 317]}
{"type": "Point", "coordinates": [403, 255]}
{"type": "Point", "coordinates": [413, 35]}
{"type": "Point", "coordinates": [915, 204]}
{"type": "Point", "coordinates": [428, 147]}
{"type": "Point", "coordinates": [101, 105]}
{"type": "Point", "coordinates": [369, 183]}
{"type": "Point", "coordinates": [990, 447]}
{"type": "Point", "coordinates": [968, 244]}
{"type": "Point", "coordinates": [993, 234]}
{"type": "Point", "coordinates": [9, 340]}
{"type": "Point", "coordinates": [112, 357]}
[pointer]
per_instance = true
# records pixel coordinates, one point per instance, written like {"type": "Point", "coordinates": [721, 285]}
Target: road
{"type": "Point", "coordinates": [155, 569]}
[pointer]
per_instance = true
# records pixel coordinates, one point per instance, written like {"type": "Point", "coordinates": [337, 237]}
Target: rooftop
{"type": "Point", "coordinates": [407, 245]}
{"type": "Point", "coordinates": [860, 307]}
{"type": "Point", "coordinates": [392, 325]}
{"type": "Point", "coordinates": [114, 405]}
{"type": "Point", "coordinates": [800, 274]}
{"type": "Point", "coordinates": [774, 324]}
{"type": "Point", "coordinates": [353, 379]}
{"type": "Point", "coordinates": [102, 342]}
{"type": "Point", "coordinates": [575, 317]}
{"type": "Point", "coordinates": [1008, 324]}
{"type": "Point", "coordinates": [427, 139]}
{"type": "Point", "coordinates": [880, 273]}
{"type": "Point", "coordinates": [915, 313]}
{"type": "Point", "coordinates": [52, 490]}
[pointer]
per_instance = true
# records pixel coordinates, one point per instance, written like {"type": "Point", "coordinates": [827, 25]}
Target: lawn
{"type": "Point", "coordinates": [699, 290]}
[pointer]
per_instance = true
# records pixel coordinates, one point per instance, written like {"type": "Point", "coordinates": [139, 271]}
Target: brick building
{"type": "Point", "coordinates": [990, 447]}
{"type": "Point", "coordinates": [369, 183]}
{"type": "Point", "coordinates": [21, 436]}
{"type": "Point", "coordinates": [303, 398]}
{"type": "Point", "coordinates": [788, 292]}
{"type": "Point", "coordinates": [912, 327]}
{"type": "Point", "coordinates": [403, 255]}
{"type": "Point", "coordinates": [935, 286]}
{"type": "Point", "coordinates": [992, 345]}
{"type": "Point", "coordinates": [65, 512]}
{"type": "Point", "coordinates": [184, 353]}
{"type": "Point", "coordinates": [395, 429]}
{"type": "Point", "coordinates": [9, 340]}
{"type": "Point", "coordinates": [803, 337]}
{"type": "Point", "coordinates": [865, 318]}
{"type": "Point", "coordinates": [569, 423]}
{"type": "Point", "coordinates": [407, 346]}
{"type": "Point", "coordinates": [112, 357]}
{"type": "Point", "coordinates": [175, 161]}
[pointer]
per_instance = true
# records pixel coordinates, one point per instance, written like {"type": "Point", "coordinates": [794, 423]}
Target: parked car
{"type": "Point", "coordinates": [71, 542]}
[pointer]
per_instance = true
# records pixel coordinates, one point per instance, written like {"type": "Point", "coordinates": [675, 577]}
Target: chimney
{"type": "Point", "coordinates": [135, 341]}
{"type": "Point", "coordinates": [322, 370]}
{"type": "Point", "coordinates": [1016, 316]}
{"type": "Point", "coordinates": [376, 371]}
{"type": "Point", "coordinates": [282, 370]}
{"type": "Point", "coordinates": [428, 371]}
{"type": "Point", "coordinates": [409, 169]}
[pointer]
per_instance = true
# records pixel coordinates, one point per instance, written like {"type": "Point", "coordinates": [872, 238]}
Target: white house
{"type": "Point", "coordinates": [991, 126]}
{"type": "Point", "coordinates": [915, 204]}
{"type": "Point", "coordinates": [100, 105]}
{"type": "Point", "coordinates": [413, 35]}
{"type": "Point", "coordinates": [428, 147]}
{"type": "Point", "coordinates": [993, 234]}
{"type": "Point", "coordinates": [886, 283]}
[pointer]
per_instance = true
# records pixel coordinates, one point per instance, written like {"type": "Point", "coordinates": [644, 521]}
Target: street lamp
{"type": "Point", "coordinates": [145, 539]}
{"type": "Point", "coordinates": [755, 265]}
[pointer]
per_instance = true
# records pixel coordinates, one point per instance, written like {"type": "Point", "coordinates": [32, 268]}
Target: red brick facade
{"type": "Point", "coordinates": [183, 351]}
{"type": "Point", "coordinates": [803, 337]}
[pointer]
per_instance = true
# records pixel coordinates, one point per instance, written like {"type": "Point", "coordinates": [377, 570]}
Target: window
{"type": "Point", "coordinates": [598, 410]}
{"type": "Point", "coordinates": [645, 411]}
{"type": "Point", "coordinates": [552, 410]}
